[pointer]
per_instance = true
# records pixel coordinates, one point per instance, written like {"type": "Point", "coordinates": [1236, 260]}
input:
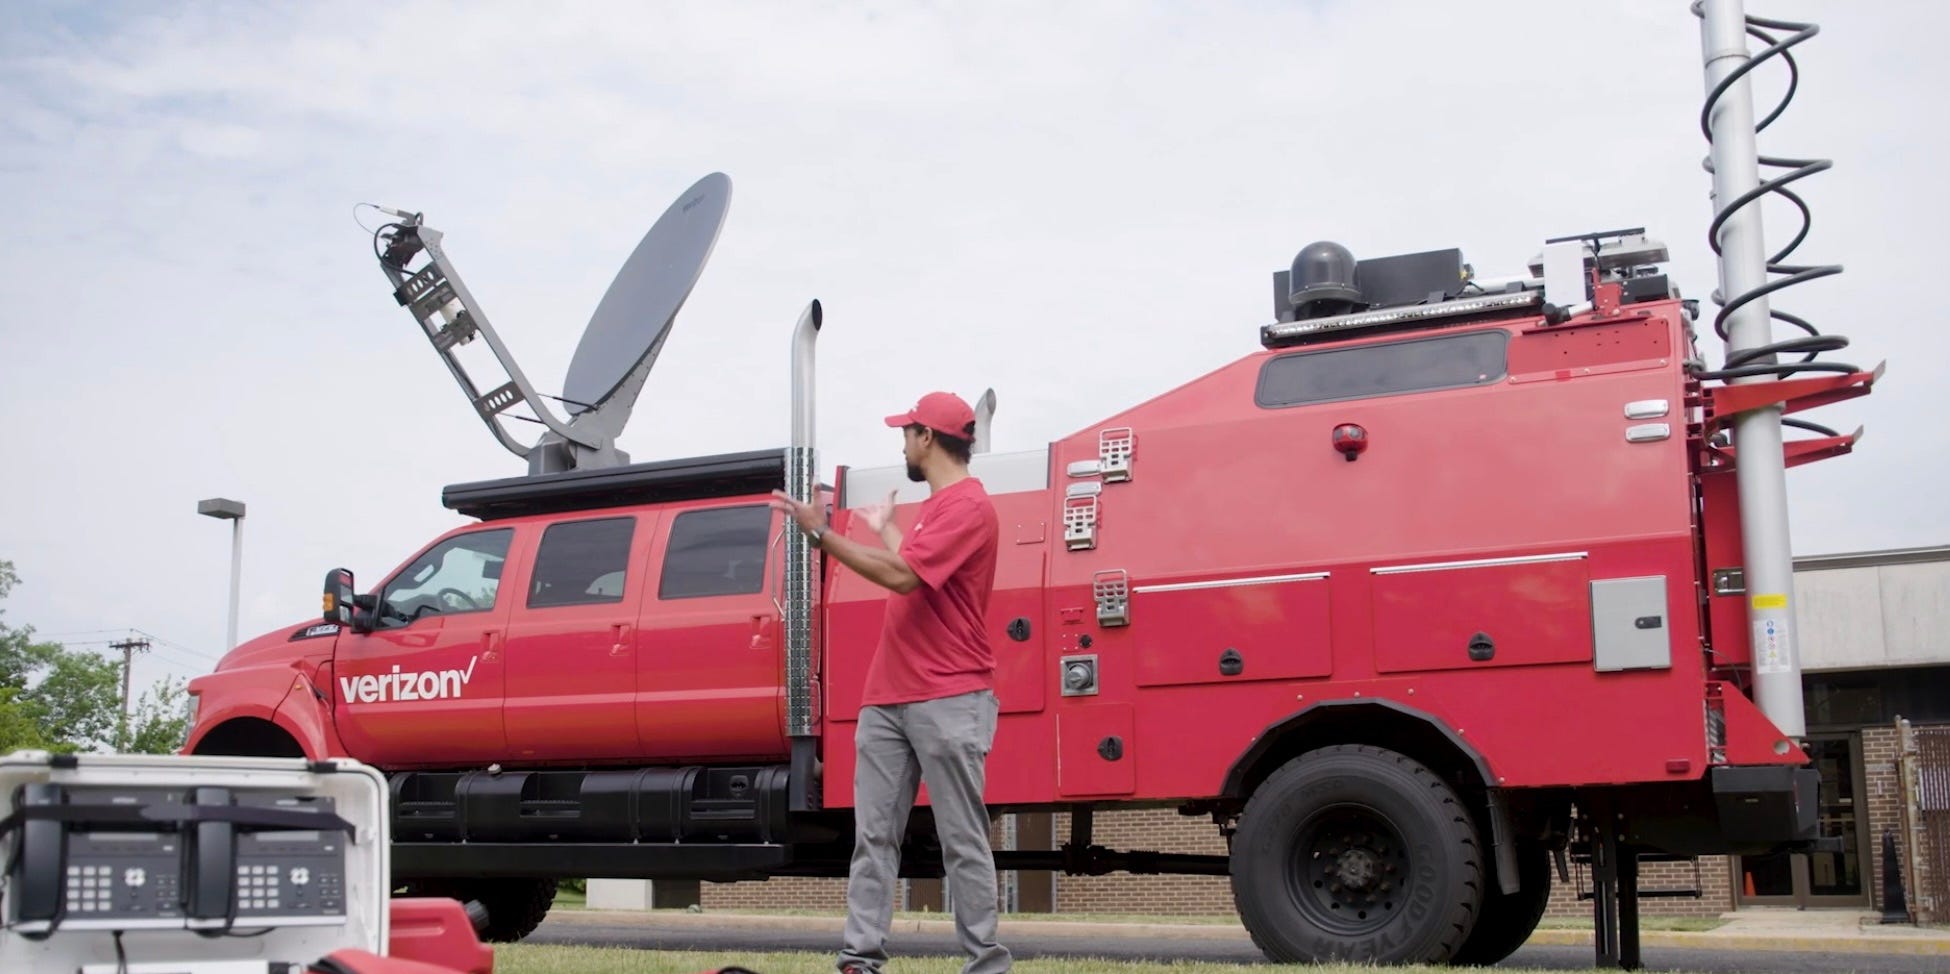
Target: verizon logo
{"type": "Point", "coordinates": [397, 687]}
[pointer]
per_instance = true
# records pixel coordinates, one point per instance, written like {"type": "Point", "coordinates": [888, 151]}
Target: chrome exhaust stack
{"type": "Point", "coordinates": [801, 561]}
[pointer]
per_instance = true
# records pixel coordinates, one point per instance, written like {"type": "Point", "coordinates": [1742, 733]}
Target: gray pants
{"type": "Point", "coordinates": [946, 744]}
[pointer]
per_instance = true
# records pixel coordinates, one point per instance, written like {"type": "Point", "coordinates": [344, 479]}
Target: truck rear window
{"type": "Point", "coordinates": [582, 563]}
{"type": "Point", "coordinates": [716, 552]}
{"type": "Point", "coordinates": [1449, 362]}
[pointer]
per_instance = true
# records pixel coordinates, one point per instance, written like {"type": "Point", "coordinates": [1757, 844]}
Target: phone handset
{"type": "Point", "coordinates": [42, 856]}
{"type": "Point", "coordinates": [213, 890]}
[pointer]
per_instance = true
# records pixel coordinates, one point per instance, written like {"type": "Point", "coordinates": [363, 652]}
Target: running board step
{"type": "Point", "coordinates": [593, 860]}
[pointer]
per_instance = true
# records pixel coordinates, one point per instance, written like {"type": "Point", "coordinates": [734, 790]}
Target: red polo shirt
{"type": "Point", "coordinates": [933, 642]}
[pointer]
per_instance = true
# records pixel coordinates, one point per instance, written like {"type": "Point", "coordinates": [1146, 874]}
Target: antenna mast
{"type": "Point", "coordinates": [1745, 321]}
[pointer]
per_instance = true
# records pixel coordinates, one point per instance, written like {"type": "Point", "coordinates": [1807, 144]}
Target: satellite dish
{"type": "Point", "coordinates": [617, 349]}
{"type": "Point", "coordinates": [635, 315]}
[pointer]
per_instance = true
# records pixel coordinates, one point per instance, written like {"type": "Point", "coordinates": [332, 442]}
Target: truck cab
{"type": "Point", "coordinates": [642, 628]}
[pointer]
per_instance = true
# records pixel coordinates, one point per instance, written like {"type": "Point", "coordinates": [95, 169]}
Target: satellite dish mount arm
{"type": "Point", "coordinates": [450, 317]}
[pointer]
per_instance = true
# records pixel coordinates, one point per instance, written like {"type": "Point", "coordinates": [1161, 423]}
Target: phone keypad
{"type": "Point", "coordinates": [91, 889]}
{"type": "Point", "coordinates": [259, 888]}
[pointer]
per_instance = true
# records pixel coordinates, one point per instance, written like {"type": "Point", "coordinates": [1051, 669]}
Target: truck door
{"type": "Point", "coordinates": [424, 687]}
{"type": "Point", "coordinates": [710, 653]}
{"type": "Point", "coordinates": [571, 657]}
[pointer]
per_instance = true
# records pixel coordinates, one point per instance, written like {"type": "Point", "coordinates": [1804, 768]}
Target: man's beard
{"type": "Point", "coordinates": [914, 473]}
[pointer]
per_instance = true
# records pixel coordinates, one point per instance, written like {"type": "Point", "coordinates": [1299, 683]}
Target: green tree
{"type": "Point", "coordinates": [18, 728]}
{"type": "Point", "coordinates": [73, 699]}
{"type": "Point", "coordinates": [160, 721]}
{"type": "Point", "coordinates": [78, 698]}
{"type": "Point", "coordinates": [13, 642]}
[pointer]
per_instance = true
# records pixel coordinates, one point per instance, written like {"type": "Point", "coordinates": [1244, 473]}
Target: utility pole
{"type": "Point", "coordinates": [129, 648]}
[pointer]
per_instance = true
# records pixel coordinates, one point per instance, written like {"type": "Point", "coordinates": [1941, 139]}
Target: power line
{"type": "Point", "coordinates": [181, 665]}
{"type": "Point", "coordinates": [178, 659]}
{"type": "Point", "coordinates": [64, 636]}
{"type": "Point", "coordinates": [132, 633]}
{"type": "Point", "coordinates": [169, 642]}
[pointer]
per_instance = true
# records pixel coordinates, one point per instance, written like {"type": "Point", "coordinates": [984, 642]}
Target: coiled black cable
{"type": "Point", "coordinates": [1757, 360]}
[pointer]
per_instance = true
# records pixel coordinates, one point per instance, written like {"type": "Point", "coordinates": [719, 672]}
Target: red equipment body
{"type": "Point", "coordinates": [1487, 509]}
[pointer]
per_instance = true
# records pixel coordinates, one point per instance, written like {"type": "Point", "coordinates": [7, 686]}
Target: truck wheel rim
{"type": "Point", "coordinates": [1350, 870]}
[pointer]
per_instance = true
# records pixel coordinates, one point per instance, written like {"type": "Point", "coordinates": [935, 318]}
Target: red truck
{"type": "Point", "coordinates": [1441, 583]}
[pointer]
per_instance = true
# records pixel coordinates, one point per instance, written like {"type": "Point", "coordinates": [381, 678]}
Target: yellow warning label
{"type": "Point", "coordinates": [1770, 601]}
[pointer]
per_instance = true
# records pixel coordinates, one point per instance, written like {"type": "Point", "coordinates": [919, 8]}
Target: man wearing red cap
{"type": "Point", "coordinates": [929, 710]}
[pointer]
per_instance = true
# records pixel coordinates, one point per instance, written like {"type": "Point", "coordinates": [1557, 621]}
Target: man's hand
{"type": "Point", "coordinates": [880, 515]}
{"type": "Point", "coordinates": [809, 517]}
{"type": "Point", "coordinates": [883, 567]}
{"type": "Point", "coordinates": [880, 519]}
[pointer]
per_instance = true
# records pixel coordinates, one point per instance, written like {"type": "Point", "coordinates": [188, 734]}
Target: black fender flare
{"type": "Point", "coordinates": [1237, 776]}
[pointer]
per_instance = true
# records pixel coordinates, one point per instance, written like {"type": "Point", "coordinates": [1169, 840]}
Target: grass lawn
{"type": "Point", "coordinates": [538, 959]}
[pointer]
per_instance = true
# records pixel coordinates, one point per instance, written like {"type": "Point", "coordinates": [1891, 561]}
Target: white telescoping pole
{"type": "Point", "coordinates": [1760, 468]}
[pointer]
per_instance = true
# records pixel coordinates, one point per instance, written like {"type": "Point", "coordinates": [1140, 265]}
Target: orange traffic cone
{"type": "Point", "coordinates": [1749, 887]}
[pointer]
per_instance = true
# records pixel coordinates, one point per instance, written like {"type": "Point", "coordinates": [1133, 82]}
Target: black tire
{"type": "Point", "coordinates": [1324, 846]}
{"type": "Point", "coordinates": [1507, 921]}
{"type": "Point", "coordinates": [515, 907]}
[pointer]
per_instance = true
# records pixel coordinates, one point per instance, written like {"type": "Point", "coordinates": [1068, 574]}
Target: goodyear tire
{"type": "Point", "coordinates": [1508, 921]}
{"type": "Point", "coordinates": [1355, 853]}
{"type": "Point", "coordinates": [515, 907]}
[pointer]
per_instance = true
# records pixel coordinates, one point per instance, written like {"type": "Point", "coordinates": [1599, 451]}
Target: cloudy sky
{"type": "Point", "coordinates": [1078, 204]}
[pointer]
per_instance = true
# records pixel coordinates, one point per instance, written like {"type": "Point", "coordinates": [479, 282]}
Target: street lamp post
{"type": "Point", "coordinates": [232, 511]}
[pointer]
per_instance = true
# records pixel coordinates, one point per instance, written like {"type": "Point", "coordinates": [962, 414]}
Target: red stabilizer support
{"type": "Point", "coordinates": [1792, 395]}
{"type": "Point", "coordinates": [1722, 403]}
{"type": "Point", "coordinates": [1797, 452]}
{"type": "Point", "coordinates": [435, 932]}
{"type": "Point", "coordinates": [1751, 737]}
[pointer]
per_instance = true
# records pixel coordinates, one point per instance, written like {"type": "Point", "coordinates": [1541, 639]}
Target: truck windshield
{"type": "Point", "coordinates": [460, 574]}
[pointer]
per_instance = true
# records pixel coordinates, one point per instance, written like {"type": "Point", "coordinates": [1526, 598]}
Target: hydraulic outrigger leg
{"type": "Point", "coordinates": [1615, 894]}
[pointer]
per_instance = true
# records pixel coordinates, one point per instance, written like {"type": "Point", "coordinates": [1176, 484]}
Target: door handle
{"type": "Point", "coordinates": [619, 639]}
{"type": "Point", "coordinates": [488, 652]}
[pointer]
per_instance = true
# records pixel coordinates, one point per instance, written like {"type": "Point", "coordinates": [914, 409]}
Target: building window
{"type": "Point", "coordinates": [716, 552]}
{"type": "Point", "coordinates": [1367, 371]}
{"type": "Point", "coordinates": [1844, 704]}
{"type": "Point", "coordinates": [582, 563]}
{"type": "Point", "coordinates": [1860, 698]}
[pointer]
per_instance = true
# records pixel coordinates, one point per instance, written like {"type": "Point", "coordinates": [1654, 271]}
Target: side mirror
{"type": "Point", "coordinates": [339, 599]}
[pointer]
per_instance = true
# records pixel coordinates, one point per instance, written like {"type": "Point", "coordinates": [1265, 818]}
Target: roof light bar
{"type": "Point", "coordinates": [1318, 329]}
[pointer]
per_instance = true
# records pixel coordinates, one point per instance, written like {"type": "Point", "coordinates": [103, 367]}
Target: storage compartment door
{"type": "Point", "coordinates": [1094, 751]}
{"type": "Point", "coordinates": [1502, 612]}
{"type": "Point", "coordinates": [1237, 630]}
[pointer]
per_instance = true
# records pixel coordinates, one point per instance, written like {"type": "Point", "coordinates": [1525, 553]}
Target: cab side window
{"type": "Point", "coordinates": [716, 552]}
{"type": "Point", "coordinates": [460, 574]}
{"type": "Point", "coordinates": [582, 563]}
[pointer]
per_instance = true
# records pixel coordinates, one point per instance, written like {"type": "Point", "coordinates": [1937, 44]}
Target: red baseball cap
{"type": "Point", "coordinates": [943, 412]}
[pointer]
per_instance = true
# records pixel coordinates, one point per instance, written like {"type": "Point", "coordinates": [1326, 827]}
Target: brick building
{"type": "Point", "coordinates": [1876, 683]}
